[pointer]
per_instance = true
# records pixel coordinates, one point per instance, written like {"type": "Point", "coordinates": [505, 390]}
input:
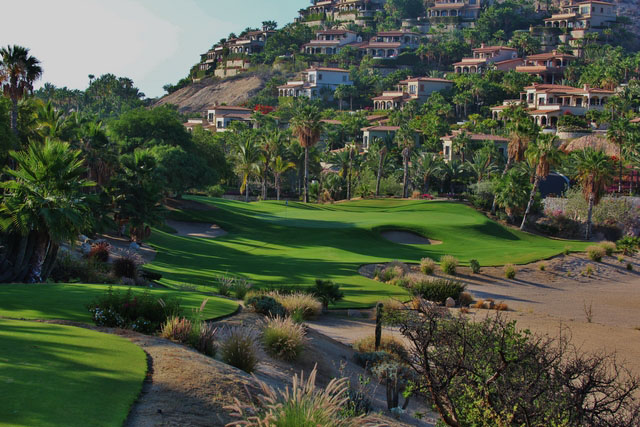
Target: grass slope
{"type": "Point", "coordinates": [272, 244]}
{"type": "Point", "coordinates": [68, 301]}
{"type": "Point", "coordinates": [52, 375]}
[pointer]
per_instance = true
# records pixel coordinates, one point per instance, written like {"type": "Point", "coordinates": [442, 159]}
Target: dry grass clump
{"type": "Point", "coordinates": [596, 253]}
{"type": "Point", "coordinates": [388, 343]}
{"type": "Point", "coordinates": [177, 329]}
{"type": "Point", "coordinates": [609, 247]}
{"type": "Point", "coordinates": [449, 265]}
{"type": "Point", "coordinates": [238, 348]}
{"type": "Point", "coordinates": [501, 307]}
{"type": "Point", "coordinates": [542, 267]}
{"type": "Point", "coordinates": [282, 338]}
{"type": "Point", "coordinates": [465, 299]}
{"type": "Point", "coordinates": [427, 266]}
{"type": "Point", "coordinates": [510, 271]}
{"type": "Point", "coordinates": [305, 305]}
{"type": "Point", "coordinates": [301, 405]}
{"type": "Point", "coordinates": [392, 304]}
{"type": "Point", "coordinates": [490, 304]}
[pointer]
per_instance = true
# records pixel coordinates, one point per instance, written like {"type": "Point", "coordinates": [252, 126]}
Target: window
{"type": "Point", "coordinates": [319, 76]}
{"type": "Point", "coordinates": [412, 89]}
{"type": "Point", "coordinates": [220, 124]}
{"type": "Point", "coordinates": [210, 117]}
{"type": "Point", "coordinates": [446, 151]}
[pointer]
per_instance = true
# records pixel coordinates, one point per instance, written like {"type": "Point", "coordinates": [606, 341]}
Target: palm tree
{"type": "Point", "coordinates": [279, 166]}
{"type": "Point", "coordinates": [454, 171]}
{"type": "Point", "coordinates": [307, 127]}
{"type": "Point", "coordinates": [405, 138]}
{"type": "Point", "coordinates": [460, 143]}
{"type": "Point", "coordinates": [383, 146]}
{"type": "Point", "coordinates": [247, 160]}
{"type": "Point", "coordinates": [618, 133]}
{"type": "Point", "coordinates": [521, 130]}
{"type": "Point", "coordinates": [426, 165]}
{"type": "Point", "coordinates": [483, 165]}
{"type": "Point", "coordinates": [18, 71]}
{"type": "Point", "coordinates": [594, 171]}
{"type": "Point", "coordinates": [544, 154]}
{"type": "Point", "coordinates": [44, 201]}
{"type": "Point", "coordinates": [270, 144]}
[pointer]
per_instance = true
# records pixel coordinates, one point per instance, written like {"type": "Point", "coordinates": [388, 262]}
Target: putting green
{"type": "Point", "coordinates": [52, 375]}
{"type": "Point", "coordinates": [69, 301]}
{"type": "Point", "coordinates": [275, 244]}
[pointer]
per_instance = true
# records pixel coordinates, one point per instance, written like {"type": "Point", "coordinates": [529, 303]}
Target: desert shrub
{"type": "Point", "coordinates": [401, 282]}
{"type": "Point", "coordinates": [224, 285]}
{"type": "Point", "coordinates": [388, 344]}
{"type": "Point", "coordinates": [327, 292]}
{"type": "Point", "coordinates": [620, 258]}
{"type": "Point", "coordinates": [438, 290]}
{"type": "Point", "coordinates": [240, 288]}
{"type": "Point", "coordinates": [266, 305]}
{"type": "Point", "coordinates": [588, 271]}
{"type": "Point", "coordinates": [100, 251]}
{"type": "Point", "coordinates": [567, 251]}
{"type": "Point", "coordinates": [629, 266]}
{"type": "Point", "coordinates": [449, 264]}
{"type": "Point", "coordinates": [628, 245]}
{"type": "Point", "coordinates": [303, 404]}
{"type": "Point", "coordinates": [465, 299]}
{"type": "Point", "coordinates": [392, 304]}
{"type": "Point", "coordinates": [177, 329]}
{"type": "Point", "coordinates": [306, 304]}
{"type": "Point", "coordinates": [282, 338]}
{"type": "Point", "coordinates": [371, 358]}
{"type": "Point", "coordinates": [475, 266]}
{"type": "Point", "coordinates": [238, 349]}
{"type": "Point", "coordinates": [542, 267]}
{"type": "Point", "coordinates": [501, 307]}
{"type": "Point", "coordinates": [427, 266]}
{"type": "Point", "coordinates": [395, 377]}
{"type": "Point", "coordinates": [139, 312]}
{"type": "Point", "coordinates": [609, 247]}
{"type": "Point", "coordinates": [558, 224]}
{"type": "Point", "coordinates": [596, 253]}
{"type": "Point", "coordinates": [203, 339]}
{"type": "Point", "coordinates": [510, 271]}
{"type": "Point", "coordinates": [126, 266]}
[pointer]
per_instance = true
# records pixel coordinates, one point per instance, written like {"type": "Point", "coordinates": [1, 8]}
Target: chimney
{"type": "Point", "coordinates": [586, 87]}
{"type": "Point", "coordinates": [482, 45]}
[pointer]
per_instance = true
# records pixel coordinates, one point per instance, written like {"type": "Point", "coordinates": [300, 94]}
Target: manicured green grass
{"type": "Point", "coordinates": [69, 301]}
{"type": "Point", "coordinates": [273, 244]}
{"type": "Point", "coordinates": [52, 375]}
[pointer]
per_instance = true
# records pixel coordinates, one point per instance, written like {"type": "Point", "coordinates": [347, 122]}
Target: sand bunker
{"type": "Point", "coordinates": [407, 238]}
{"type": "Point", "coordinates": [196, 229]}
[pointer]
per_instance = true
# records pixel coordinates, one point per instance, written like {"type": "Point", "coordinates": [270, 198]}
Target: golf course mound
{"type": "Point", "coordinates": [403, 237]}
{"type": "Point", "coordinates": [55, 375]}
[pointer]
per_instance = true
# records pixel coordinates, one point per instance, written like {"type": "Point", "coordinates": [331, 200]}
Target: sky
{"type": "Point", "coordinates": [153, 42]}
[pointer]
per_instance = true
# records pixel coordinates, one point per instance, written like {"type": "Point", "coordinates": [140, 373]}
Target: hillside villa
{"type": "Point", "coordinates": [461, 13]}
{"type": "Point", "coordinates": [582, 17]}
{"type": "Point", "coordinates": [412, 89]}
{"type": "Point", "coordinates": [316, 82]}
{"type": "Point", "coordinates": [221, 117]}
{"type": "Point", "coordinates": [548, 102]}
{"type": "Point", "coordinates": [329, 42]}
{"type": "Point", "coordinates": [500, 142]}
{"type": "Point", "coordinates": [503, 57]}
{"type": "Point", "coordinates": [389, 44]}
{"type": "Point", "coordinates": [549, 67]}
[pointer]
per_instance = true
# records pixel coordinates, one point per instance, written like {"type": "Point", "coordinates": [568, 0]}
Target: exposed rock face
{"type": "Point", "coordinates": [206, 93]}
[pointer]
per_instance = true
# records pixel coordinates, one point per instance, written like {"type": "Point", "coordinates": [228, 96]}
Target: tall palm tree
{"type": "Point", "coordinates": [270, 144]}
{"type": "Point", "coordinates": [483, 165]}
{"type": "Point", "coordinates": [247, 161]}
{"type": "Point", "coordinates": [279, 166]}
{"type": "Point", "coordinates": [405, 138]}
{"type": "Point", "coordinates": [307, 127]}
{"type": "Point", "coordinates": [18, 71]}
{"type": "Point", "coordinates": [44, 201]}
{"type": "Point", "coordinates": [521, 130]}
{"type": "Point", "coordinates": [460, 144]}
{"type": "Point", "coordinates": [426, 165]}
{"type": "Point", "coordinates": [383, 146]}
{"type": "Point", "coordinates": [594, 171]}
{"type": "Point", "coordinates": [618, 133]}
{"type": "Point", "coordinates": [544, 154]}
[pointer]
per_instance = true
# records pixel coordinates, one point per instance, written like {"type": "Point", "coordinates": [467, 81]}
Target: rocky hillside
{"type": "Point", "coordinates": [199, 96]}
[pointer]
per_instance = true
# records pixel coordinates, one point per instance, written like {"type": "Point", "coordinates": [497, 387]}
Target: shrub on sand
{"type": "Point", "coordinates": [596, 253]}
{"type": "Point", "coordinates": [609, 247]}
{"type": "Point", "coordinates": [305, 304]}
{"type": "Point", "coordinates": [438, 290]}
{"type": "Point", "coordinates": [510, 271]}
{"type": "Point", "coordinates": [465, 299]}
{"type": "Point", "coordinates": [388, 343]}
{"type": "Point", "coordinates": [327, 292]}
{"type": "Point", "coordinates": [449, 264]}
{"type": "Point", "coordinates": [238, 349]}
{"type": "Point", "coordinates": [427, 266]}
{"type": "Point", "coordinates": [475, 266]}
{"type": "Point", "coordinates": [283, 339]}
{"type": "Point", "coordinates": [265, 304]}
{"type": "Point", "coordinates": [301, 405]}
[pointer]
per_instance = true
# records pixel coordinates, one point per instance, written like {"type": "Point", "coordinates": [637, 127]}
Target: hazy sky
{"type": "Point", "coordinates": [154, 42]}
